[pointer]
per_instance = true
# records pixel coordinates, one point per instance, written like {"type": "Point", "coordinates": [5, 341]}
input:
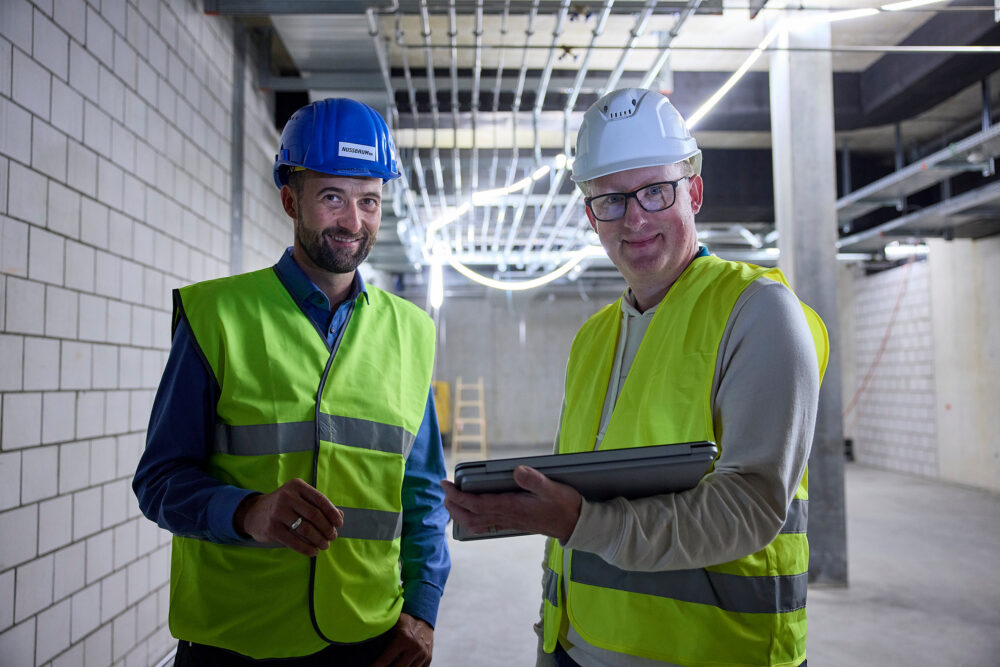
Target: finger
{"type": "Point", "coordinates": [530, 479]}
{"type": "Point", "coordinates": [478, 525]}
{"type": "Point", "coordinates": [314, 518]}
{"type": "Point", "coordinates": [388, 655]}
{"type": "Point", "coordinates": [543, 487]}
{"type": "Point", "coordinates": [459, 514]}
{"type": "Point", "coordinates": [308, 533]}
{"type": "Point", "coordinates": [451, 491]}
{"type": "Point", "coordinates": [291, 540]}
{"type": "Point", "coordinates": [317, 505]}
{"type": "Point", "coordinates": [457, 505]}
{"type": "Point", "coordinates": [472, 502]}
{"type": "Point", "coordinates": [468, 518]}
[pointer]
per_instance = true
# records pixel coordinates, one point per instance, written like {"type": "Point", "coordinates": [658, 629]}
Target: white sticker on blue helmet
{"type": "Point", "coordinates": [359, 151]}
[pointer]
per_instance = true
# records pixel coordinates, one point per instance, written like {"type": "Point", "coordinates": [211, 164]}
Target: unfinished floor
{"type": "Point", "coordinates": [924, 563]}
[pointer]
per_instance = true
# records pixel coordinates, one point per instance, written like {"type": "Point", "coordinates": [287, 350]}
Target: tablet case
{"type": "Point", "coordinates": [631, 473]}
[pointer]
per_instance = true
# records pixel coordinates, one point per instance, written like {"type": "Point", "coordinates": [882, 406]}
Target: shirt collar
{"type": "Point", "coordinates": [304, 290]}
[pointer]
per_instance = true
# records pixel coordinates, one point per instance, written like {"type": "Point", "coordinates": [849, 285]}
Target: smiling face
{"type": "Point", "coordinates": [336, 221]}
{"type": "Point", "coordinates": [650, 249]}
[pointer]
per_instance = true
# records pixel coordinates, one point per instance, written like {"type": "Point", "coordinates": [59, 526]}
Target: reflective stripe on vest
{"type": "Point", "coordinates": [746, 612]}
{"type": "Point", "coordinates": [729, 592]}
{"type": "Point", "coordinates": [343, 418]}
{"type": "Point", "coordinates": [797, 519]}
{"type": "Point", "coordinates": [260, 439]}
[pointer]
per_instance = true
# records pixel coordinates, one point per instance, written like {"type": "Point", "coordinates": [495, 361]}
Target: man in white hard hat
{"type": "Point", "coordinates": [698, 348]}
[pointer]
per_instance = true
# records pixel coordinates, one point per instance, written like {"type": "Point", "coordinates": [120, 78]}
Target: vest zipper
{"type": "Point", "coordinates": [315, 465]}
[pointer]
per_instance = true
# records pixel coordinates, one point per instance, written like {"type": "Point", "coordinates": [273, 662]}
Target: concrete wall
{"type": "Point", "coordinates": [519, 344]}
{"type": "Point", "coordinates": [921, 397]}
{"type": "Point", "coordinates": [891, 417]}
{"type": "Point", "coordinates": [114, 189]}
{"type": "Point", "coordinates": [965, 298]}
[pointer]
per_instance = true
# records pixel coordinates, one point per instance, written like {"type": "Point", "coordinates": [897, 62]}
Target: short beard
{"type": "Point", "coordinates": [328, 259]}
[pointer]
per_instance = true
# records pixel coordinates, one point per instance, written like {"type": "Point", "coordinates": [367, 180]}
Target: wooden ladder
{"type": "Point", "coordinates": [468, 437]}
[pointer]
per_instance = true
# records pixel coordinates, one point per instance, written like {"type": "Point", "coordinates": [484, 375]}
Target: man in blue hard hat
{"type": "Point", "coordinates": [293, 448]}
{"type": "Point", "coordinates": [697, 348]}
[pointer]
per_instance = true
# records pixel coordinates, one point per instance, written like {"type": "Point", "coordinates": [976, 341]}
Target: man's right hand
{"type": "Point", "coordinates": [268, 518]}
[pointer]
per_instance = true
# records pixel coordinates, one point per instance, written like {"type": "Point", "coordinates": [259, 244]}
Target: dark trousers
{"type": "Point", "coordinates": [335, 655]}
{"type": "Point", "coordinates": [563, 660]}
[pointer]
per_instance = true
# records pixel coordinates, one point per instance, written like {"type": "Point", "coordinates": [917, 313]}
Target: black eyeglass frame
{"type": "Point", "coordinates": [635, 195]}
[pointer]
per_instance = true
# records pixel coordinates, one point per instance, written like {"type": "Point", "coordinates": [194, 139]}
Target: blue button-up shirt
{"type": "Point", "coordinates": [176, 492]}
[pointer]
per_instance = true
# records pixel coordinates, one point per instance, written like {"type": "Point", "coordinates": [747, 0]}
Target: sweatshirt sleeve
{"type": "Point", "coordinates": [764, 406]}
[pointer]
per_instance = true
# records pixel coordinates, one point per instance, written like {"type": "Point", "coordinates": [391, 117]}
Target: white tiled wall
{"type": "Point", "coordinates": [114, 189]}
{"type": "Point", "coordinates": [893, 421]}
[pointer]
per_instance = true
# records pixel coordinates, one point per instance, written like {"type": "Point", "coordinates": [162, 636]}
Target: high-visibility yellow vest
{"type": "Point", "coordinates": [750, 611]}
{"type": "Point", "coordinates": [343, 419]}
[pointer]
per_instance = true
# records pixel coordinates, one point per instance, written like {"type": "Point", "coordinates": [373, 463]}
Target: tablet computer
{"type": "Point", "coordinates": [631, 473]}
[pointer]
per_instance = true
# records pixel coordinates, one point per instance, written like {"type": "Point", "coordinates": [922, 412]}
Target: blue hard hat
{"type": "Point", "coordinates": [340, 137]}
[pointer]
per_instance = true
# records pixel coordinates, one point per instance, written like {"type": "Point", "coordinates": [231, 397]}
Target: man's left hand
{"type": "Point", "coordinates": [544, 507]}
{"type": "Point", "coordinates": [411, 646]}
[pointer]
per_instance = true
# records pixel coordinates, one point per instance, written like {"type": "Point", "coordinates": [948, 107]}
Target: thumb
{"type": "Point", "coordinates": [530, 479]}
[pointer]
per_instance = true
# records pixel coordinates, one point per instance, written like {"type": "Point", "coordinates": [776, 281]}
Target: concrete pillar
{"type": "Point", "coordinates": [804, 200]}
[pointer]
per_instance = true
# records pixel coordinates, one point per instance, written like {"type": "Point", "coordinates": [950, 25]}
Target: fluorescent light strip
{"type": "Point", "coordinates": [488, 197]}
{"type": "Point", "coordinates": [435, 291]}
{"type": "Point", "coordinates": [737, 75]}
{"type": "Point", "coordinates": [789, 24]}
{"type": "Point", "coordinates": [800, 23]}
{"type": "Point", "coordinates": [909, 4]}
{"type": "Point", "coordinates": [521, 285]}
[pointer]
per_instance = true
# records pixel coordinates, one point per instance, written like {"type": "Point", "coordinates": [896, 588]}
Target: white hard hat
{"type": "Point", "coordinates": [631, 128]}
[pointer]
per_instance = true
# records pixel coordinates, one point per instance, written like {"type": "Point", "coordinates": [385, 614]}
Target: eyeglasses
{"type": "Point", "coordinates": [653, 197]}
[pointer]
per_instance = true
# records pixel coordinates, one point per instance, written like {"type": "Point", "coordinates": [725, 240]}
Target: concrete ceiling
{"type": "Point", "coordinates": [905, 87]}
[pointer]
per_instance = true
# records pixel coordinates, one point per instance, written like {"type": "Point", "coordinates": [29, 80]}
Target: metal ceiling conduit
{"type": "Point", "coordinates": [406, 204]}
{"type": "Point", "coordinates": [477, 71]}
{"type": "Point", "coordinates": [638, 28]}
{"type": "Point", "coordinates": [515, 110]}
{"type": "Point", "coordinates": [581, 74]}
{"type": "Point", "coordinates": [667, 43]}
{"type": "Point", "coordinates": [496, 114]}
{"type": "Point", "coordinates": [543, 85]}
{"type": "Point", "coordinates": [425, 25]}
{"type": "Point", "coordinates": [411, 92]}
{"type": "Point", "coordinates": [456, 162]}
{"type": "Point", "coordinates": [515, 223]}
{"type": "Point", "coordinates": [559, 176]}
{"type": "Point", "coordinates": [637, 31]}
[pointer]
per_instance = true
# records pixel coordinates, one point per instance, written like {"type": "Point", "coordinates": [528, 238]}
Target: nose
{"type": "Point", "coordinates": [350, 219]}
{"type": "Point", "coordinates": [635, 215]}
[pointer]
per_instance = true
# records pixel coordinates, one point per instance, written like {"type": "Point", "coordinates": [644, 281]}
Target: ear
{"type": "Point", "coordinates": [289, 201]}
{"type": "Point", "coordinates": [695, 187]}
